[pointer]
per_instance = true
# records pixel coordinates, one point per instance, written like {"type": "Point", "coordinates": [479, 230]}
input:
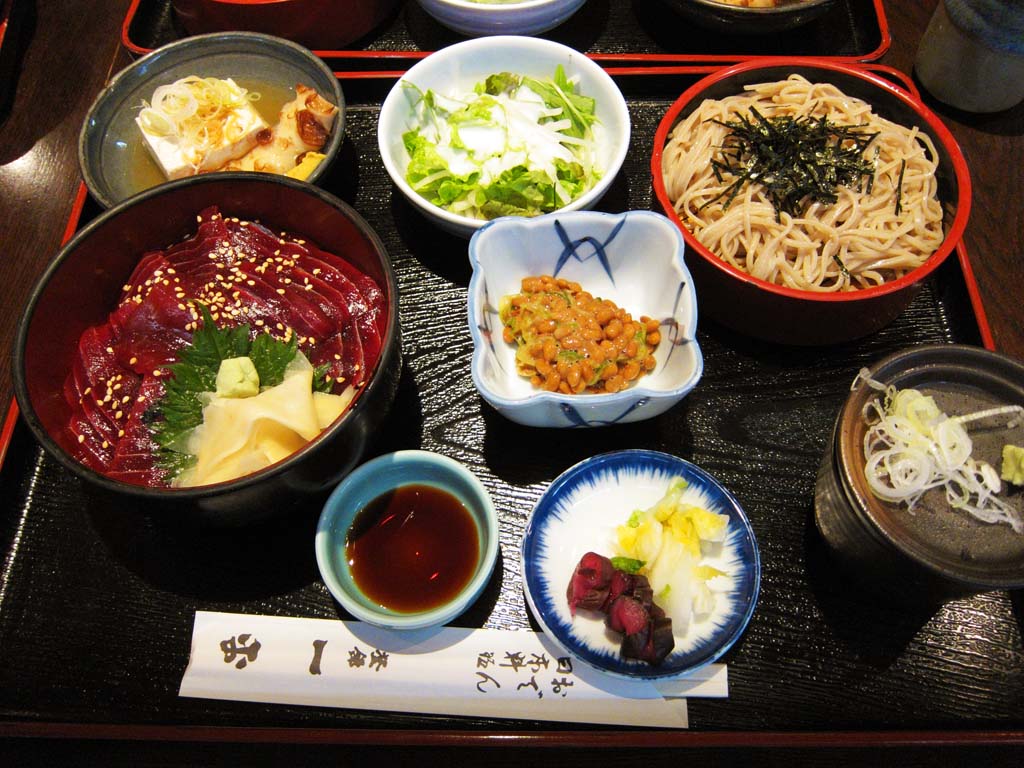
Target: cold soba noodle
{"type": "Point", "coordinates": [878, 229]}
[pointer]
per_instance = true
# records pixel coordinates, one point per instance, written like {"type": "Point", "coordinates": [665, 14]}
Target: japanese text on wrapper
{"type": "Point", "coordinates": [533, 673]}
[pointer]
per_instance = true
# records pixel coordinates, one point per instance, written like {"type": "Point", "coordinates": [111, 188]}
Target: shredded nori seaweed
{"type": "Point", "coordinates": [798, 160]}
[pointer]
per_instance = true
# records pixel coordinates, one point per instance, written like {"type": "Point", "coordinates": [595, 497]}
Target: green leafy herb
{"type": "Point", "coordinates": [320, 380]}
{"type": "Point", "coordinates": [795, 159]}
{"type": "Point", "coordinates": [561, 93]}
{"type": "Point", "coordinates": [270, 357]}
{"type": "Point", "coordinates": [628, 564]}
{"type": "Point", "coordinates": [173, 417]}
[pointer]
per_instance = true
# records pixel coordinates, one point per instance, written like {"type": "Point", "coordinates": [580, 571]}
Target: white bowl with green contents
{"type": "Point", "coordinates": [435, 132]}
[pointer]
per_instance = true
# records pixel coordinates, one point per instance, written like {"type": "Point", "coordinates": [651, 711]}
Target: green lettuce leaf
{"type": "Point", "coordinates": [560, 94]}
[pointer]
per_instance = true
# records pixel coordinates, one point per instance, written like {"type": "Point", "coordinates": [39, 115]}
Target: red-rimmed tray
{"type": "Point", "coordinates": [5, 16]}
{"type": "Point", "coordinates": [7, 58]}
{"type": "Point", "coordinates": [97, 598]}
{"type": "Point", "coordinates": [641, 31]}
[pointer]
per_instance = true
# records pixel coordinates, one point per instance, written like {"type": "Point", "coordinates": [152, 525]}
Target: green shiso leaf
{"type": "Point", "coordinates": [320, 382]}
{"type": "Point", "coordinates": [173, 417]}
{"type": "Point", "coordinates": [270, 356]}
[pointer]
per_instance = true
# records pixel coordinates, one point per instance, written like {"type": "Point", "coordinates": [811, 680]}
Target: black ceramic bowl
{"type": "Point", "coordinates": [935, 548]}
{"type": "Point", "coordinates": [83, 284]}
{"type": "Point", "coordinates": [740, 20]}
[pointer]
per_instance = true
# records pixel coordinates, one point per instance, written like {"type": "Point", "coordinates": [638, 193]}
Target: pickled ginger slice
{"type": "Point", "coordinates": [239, 436]}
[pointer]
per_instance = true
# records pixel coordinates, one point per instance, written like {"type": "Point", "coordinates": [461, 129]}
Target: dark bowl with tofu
{"type": "Point", "coordinates": [136, 137]}
{"type": "Point", "coordinates": [95, 334]}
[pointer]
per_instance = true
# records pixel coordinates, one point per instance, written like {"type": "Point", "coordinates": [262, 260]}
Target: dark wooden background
{"type": "Point", "coordinates": [56, 58]}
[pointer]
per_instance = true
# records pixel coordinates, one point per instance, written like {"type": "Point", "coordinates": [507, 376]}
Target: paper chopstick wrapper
{"type": "Point", "coordinates": [450, 670]}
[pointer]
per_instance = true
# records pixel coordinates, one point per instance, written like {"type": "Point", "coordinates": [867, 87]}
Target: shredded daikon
{"type": "Point", "coordinates": [198, 110]}
{"type": "Point", "coordinates": [911, 446]}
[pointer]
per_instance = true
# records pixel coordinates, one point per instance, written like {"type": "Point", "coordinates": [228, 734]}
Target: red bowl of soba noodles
{"type": "Point", "coordinates": [814, 197]}
{"type": "Point", "coordinates": [221, 348]}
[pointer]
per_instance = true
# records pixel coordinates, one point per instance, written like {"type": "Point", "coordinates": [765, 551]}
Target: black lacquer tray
{"type": "Point", "coordinates": [642, 31]}
{"type": "Point", "coordinates": [97, 598]}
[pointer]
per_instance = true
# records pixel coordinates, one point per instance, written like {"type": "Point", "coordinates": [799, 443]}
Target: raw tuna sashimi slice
{"type": "Point", "coordinates": [344, 295]}
{"type": "Point", "coordinates": [372, 292]}
{"type": "Point", "coordinates": [101, 382]}
{"type": "Point", "coordinates": [136, 452]}
{"type": "Point", "coordinates": [152, 333]}
{"type": "Point", "coordinates": [89, 444]}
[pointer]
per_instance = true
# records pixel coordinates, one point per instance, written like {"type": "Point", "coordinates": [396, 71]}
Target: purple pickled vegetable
{"type": "Point", "coordinates": [627, 615]}
{"type": "Point", "coordinates": [642, 591]}
{"type": "Point", "coordinates": [661, 641]}
{"type": "Point", "coordinates": [621, 584]}
{"type": "Point", "coordinates": [633, 646]}
{"type": "Point", "coordinates": [652, 644]}
{"type": "Point", "coordinates": [627, 601]}
{"type": "Point", "coordinates": [588, 588]}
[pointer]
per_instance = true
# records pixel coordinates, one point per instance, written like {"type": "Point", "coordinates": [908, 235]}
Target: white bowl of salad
{"type": "Point", "coordinates": [503, 126]}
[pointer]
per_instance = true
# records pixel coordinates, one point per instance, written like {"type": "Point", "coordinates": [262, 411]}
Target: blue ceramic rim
{"type": "Point", "coordinates": [575, 475]}
{"type": "Point", "coordinates": [632, 393]}
{"type": "Point", "coordinates": [485, 517]}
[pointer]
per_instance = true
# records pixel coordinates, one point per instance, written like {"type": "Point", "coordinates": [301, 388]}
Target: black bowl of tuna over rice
{"type": "Point", "coordinates": [223, 346]}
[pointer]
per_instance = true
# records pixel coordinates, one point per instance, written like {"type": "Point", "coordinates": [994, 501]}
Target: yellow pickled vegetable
{"type": "Point", "coordinates": [666, 540]}
{"type": "Point", "coordinates": [1013, 464]}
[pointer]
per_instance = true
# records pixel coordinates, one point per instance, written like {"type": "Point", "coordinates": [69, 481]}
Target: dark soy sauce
{"type": "Point", "coordinates": [413, 549]}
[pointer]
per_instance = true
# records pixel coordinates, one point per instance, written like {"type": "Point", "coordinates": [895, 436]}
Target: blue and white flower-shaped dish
{"type": "Point", "coordinates": [635, 259]}
{"type": "Point", "coordinates": [578, 514]}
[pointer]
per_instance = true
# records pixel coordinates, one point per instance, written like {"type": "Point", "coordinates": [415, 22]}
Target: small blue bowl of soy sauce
{"type": "Point", "coordinates": [408, 540]}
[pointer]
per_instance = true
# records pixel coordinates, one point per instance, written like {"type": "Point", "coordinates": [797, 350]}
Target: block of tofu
{"type": "Point", "coordinates": [235, 133]}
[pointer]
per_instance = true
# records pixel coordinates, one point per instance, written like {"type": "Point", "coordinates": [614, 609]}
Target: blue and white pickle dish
{"type": "Point", "coordinates": [634, 259]}
{"type": "Point", "coordinates": [501, 17]}
{"type": "Point", "coordinates": [457, 69]}
{"type": "Point", "coordinates": [579, 513]}
{"type": "Point", "coordinates": [371, 481]}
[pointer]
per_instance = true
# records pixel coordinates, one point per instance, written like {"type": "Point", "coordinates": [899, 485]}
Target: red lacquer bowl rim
{"type": "Point", "coordinates": [938, 130]}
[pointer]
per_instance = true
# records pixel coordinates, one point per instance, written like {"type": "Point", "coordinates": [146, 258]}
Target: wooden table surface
{"type": "Point", "coordinates": [57, 55]}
